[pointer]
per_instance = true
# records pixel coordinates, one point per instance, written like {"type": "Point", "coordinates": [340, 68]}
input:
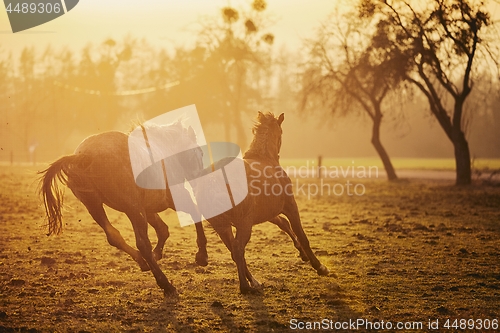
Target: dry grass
{"type": "Point", "coordinates": [406, 251]}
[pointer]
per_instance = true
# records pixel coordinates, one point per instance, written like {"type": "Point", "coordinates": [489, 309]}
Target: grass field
{"type": "Point", "coordinates": [408, 251]}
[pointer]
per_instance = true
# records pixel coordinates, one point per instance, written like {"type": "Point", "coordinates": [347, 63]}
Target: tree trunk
{"type": "Point", "coordinates": [386, 161]}
{"type": "Point", "coordinates": [462, 158]}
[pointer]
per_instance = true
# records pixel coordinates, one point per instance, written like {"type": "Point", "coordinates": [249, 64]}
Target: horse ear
{"type": "Point", "coordinates": [281, 118]}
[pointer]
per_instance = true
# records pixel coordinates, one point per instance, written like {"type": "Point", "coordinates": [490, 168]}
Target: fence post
{"type": "Point", "coordinates": [320, 158]}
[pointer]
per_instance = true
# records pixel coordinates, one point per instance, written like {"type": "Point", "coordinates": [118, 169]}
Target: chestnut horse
{"type": "Point", "coordinates": [100, 173]}
{"type": "Point", "coordinates": [269, 195]}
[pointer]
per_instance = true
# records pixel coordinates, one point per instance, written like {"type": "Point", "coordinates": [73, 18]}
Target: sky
{"type": "Point", "coordinates": [163, 22]}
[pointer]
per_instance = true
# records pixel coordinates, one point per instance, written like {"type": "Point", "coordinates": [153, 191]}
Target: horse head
{"type": "Point", "coordinates": [267, 137]}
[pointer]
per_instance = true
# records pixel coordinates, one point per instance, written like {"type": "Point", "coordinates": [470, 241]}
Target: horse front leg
{"type": "Point", "coordinates": [223, 229]}
{"type": "Point", "coordinates": [191, 208]}
{"type": "Point", "coordinates": [243, 233]}
{"type": "Point", "coordinates": [201, 257]}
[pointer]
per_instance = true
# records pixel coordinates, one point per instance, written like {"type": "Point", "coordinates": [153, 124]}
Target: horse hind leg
{"type": "Point", "coordinates": [161, 232]}
{"type": "Point", "coordinates": [114, 237]}
{"type": "Point", "coordinates": [291, 211]}
{"type": "Point", "coordinates": [284, 225]}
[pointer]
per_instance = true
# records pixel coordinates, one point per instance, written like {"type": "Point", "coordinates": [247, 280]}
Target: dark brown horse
{"type": "Point", "coordinates": [100, 173]}
{"type": "Point", "coordinates": [269, 195]}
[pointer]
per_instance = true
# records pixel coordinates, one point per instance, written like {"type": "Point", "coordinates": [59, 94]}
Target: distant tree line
{"type": "Point", "coordinates": [50, 96]}
{"type": "Point", "coordinates": [359, 63]}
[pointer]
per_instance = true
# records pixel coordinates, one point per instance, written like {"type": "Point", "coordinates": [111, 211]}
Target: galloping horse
{"type": "Point", "coordinates": [269, 195]}
{"type": "Point", "coordinates": [100, 172]}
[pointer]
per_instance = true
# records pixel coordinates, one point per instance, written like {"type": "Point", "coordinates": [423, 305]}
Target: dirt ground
{"type": "Point", "coordinates": [407, 252]}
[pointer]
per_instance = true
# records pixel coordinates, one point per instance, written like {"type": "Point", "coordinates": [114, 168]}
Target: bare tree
{"type": "Point", "coordinates": [444, 42]}
{"type": "Point", "coordinates": [345, 74]}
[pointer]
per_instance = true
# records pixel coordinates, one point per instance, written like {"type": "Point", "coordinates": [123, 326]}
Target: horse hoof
{"type": "Point", "coordinates": [157, 255]}
{"type": "Point", "coordinates": [170, 291]}
{"type": "Point", "coordinates": [201, 259]}
{"type": "Point", "coordinates": [249, 290]}
{"type": "Point", "coordinates": [322, 270]}
{"type": "Point", "coordinates": [256, 284]}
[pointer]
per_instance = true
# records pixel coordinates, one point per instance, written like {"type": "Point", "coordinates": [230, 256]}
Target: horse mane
{"type": "Point", "coordinates": [262, 131]}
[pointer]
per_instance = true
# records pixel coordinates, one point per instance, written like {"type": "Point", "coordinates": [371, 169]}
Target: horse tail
{"type": "Point", "coordinates": [57, 172]}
